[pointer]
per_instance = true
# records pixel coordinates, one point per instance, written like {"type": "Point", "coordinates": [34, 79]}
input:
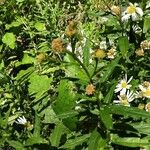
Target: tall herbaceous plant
{"type": "Point", "coordinates": [74, 75]}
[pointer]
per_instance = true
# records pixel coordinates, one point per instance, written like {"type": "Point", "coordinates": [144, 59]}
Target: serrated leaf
{"type": "Point", "coordinates": [65, 102]}
{"type": "Point", "coordinates": [106, 118]}
{"type": "Point", "coordinates": [39, 84]}
{"type": "Point", "coordinates": [56, 134]}
{"type": "Point", "coordinates": [128, 111]}
{"type": "Point", "coordinates": [35, 140]}
{"type": "Point", "coordinates": [40, 26]}
{"type": "Point", "coordinates": [16, 144]}
{"type": "Point", "coordinates": [9, 39]}
{"type": "Point", "coordinates": [123, 44]}
{"type": "Point", "coordinates": [96, 142]}
{"type": "Point", "coordinates": [72, 143]}
{"type": "Point", "coordinates": [130, 141]}
{"type": "Point", "coordinates": [109, 69]}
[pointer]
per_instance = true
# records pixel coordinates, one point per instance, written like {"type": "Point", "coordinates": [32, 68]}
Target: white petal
{"type": "Point", "coordinates": [130, 79]}
{"type": "Point", "coordinates": [117, 90]}
{"type": "Point", "coordinates": [134, 16]}
{"type": "Point", "coordinates": [116, 101]}
{"type": "Point", "coordinates": [139, 11]}
{"type": "Point", "coordinates": [130, 4]}
{"type": "Point", "coordinates": [142, 88]}
{"type": "Point", "coordinates": [123, 91]}
{"type": "Point", "coordinates": [126, 17]}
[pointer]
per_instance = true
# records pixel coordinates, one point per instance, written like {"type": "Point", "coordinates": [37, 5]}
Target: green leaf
{"type": "Point", "coordinates": [9, 39]}
{"type": "Point", "coordinates": [106, 118]}
{"type": "Point", "coordinates": [128, 111]}
{"type": "Point", "coordinates": [96, 142]}
{"type": "Point", "coordinates": [13, 24]}
{"type": "Point", "coordinates": [74, 70]}
{"type": "Point", "coordinates": [123, 45]}
{"type": "Point", "coordinates": [146, 24]}
{"type": "Point", "coordinates": [35, 140]}
{"type": "Point", "coordinates": [56, 134]}
{"type": "Point", "coordinates": [40, 26]}
{"type": "Point", "coordinates": [109, 69]}
{"type": "Point", "coordinates": [109, 96]}
{"type": "Point", "coordinates": [142, 127]}
{"type": "Point", "coordinates": [39, 84]}
{"type": "Point", "coordinates": [65, 102]}
{"type": "Point", "coordinates": [16, 144]}
{"type": "Point", "coordinates": [130, 141]}
{"type": "Point", "coordinates": [37, 126]}
{"type": "Point", "coordinates": [27, 59]}
{"type": "Point", "coordinates": [72, 143]}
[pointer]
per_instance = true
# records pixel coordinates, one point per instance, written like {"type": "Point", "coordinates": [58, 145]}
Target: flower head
{"type": "Point", "coordinates": [145, 44]}
{"type": "Point", "coordinates": [71, 29]}
{"type": "Point", "coordinates": [125, 99]}
{"type": "Point", "coordinates": [132, 11]}
{"type": "Point", "coordinates": [58, 45]}
{"type": "Point", "coordinates": [99, 53]}
{"type": "Point", "coordinates": [21, 120]}
{"type": "Point", "coordinates": [115, 10]}
{"type": "Point", "coordinates": [111, 53]}
{"type": "Point", "coordinates": [123, 85]}
{"type": "Point", "coordinates": [139, 52]}
{"type": "Point", "coordinates": [145, 89]}
{"type": "Point", "coordinates": [147, 107]}
{"type": "Point", "coordinates": [90, 89]}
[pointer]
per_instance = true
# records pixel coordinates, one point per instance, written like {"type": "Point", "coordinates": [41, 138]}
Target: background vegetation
{"type": "Point", "coordinates": [53, 74]}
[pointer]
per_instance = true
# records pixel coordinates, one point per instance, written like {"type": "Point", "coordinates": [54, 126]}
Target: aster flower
{"type": "Point", "coordinates": [145, 89]}
{"type": "Point", "coordinates": [132, 11]}
{"type": "Point", "coordinates": [123, 85]}
{"type": "Point", "coordinates": [125, 99]}
{"type": "Point", "coordinates": [21, 120]}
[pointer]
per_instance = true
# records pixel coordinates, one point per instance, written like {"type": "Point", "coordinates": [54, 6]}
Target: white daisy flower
{"type": "Point", "coordinates": [21, 120]}
{"type": "Point", "coordinates": [132, 11]}
{"type": "Point", "coordinates": [123, 85]}
{"type": "Point", "coordinates": [125, 99]}
{"type": "Point", "coordinates": [145, 89]}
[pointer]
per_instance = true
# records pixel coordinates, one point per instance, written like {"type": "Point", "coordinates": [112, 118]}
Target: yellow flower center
{"type": "Point", "coordinates": [125, 102]}
{"type": "Point", "coordinates": [100, 53]}
{"type": "Point", "coordinates": [124, 84]}
{"type": "Point", "coordinates": [131, 9]}
{"type": "Point", "coordinates": [147, 93]}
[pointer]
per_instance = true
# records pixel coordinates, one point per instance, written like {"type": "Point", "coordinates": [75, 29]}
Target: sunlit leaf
{"type": "Point", "coordinates": [40, 26]}
{"type": "Point", "coordinates": [123, 43]}
{"type": "Point", "coordinates": [9, 39]}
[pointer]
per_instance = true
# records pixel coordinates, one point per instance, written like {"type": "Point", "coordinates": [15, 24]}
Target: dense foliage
{"type": "Point", "coordinates": [74, 74]}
